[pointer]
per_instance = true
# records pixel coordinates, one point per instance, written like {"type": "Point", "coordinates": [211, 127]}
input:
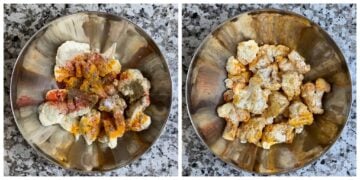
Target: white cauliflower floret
{"type": "Point", "coordinates": [252, 98]}
{"type": "Point", "coordinates": [291, 83]}
{"type": "Point", "coordinates": [299, 115]}
{"type": "Point", "coordinates": [52, 113]}
{"type": "Point", "coordinates": [233, 117]}
{"type": "Point", "coordinates": [251, 131]}
{"type": "Point", "coordinates": [234, 67]}
{"type": "Point", "coordinates": [277, 133]}
{"type": "Point", "coordinates": [71, 124]}
{"type": "Point", "coordinates": [313, 93]}
{"type": "Point", "coordinates": [246, 51]}
{"type": "Point", "coordinates": [68, 50]}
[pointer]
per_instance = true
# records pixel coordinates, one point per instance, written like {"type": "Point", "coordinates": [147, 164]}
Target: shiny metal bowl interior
{"type": "Point", "coordinates": [205, 86]}
{"type": "Point", "coordinates": [33, 77]}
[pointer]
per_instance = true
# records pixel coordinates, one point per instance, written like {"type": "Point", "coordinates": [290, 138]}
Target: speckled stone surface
{"type": "Point", "coordinates": [338, 20]}
{"type": "Point", "coordinates": [21, 21]}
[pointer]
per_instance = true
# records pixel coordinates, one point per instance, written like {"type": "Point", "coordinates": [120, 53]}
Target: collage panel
{"type": "Point", "coordinates": [276, 137]}
{"type": "Point", "coordinates": [123, 134]}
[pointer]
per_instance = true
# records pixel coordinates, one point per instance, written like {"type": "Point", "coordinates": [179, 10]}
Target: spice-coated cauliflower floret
{"type": "Point", "coordinates": [299, 115]}
{"type": "Point", "coordinates": [267, 55]}
{"type": "Point", "coordinates": [252, 98]}
{"type": "Point", "coordinates": [277, 133]}
{"type": "Point", "coordinates": [313, 93]}
{"type": "Point", "coordinates": [269, 77]}
{"type": "Point", "coordinates": [291, 83]}
{"type": "Point", "coordinates": [133, 84]}
{"type": "Point", "coordinates": [277, 104]}
{"type": "Point", "coordinates": [237, 82]}
{"type": "Point", "coordinates": [233, 117]}
{"type": "Point", "coordinates": [251, 131]}
{"type": "Point", "coordinates": [294, 62]}
{"type": "Point", "coordinates": [234, 66]}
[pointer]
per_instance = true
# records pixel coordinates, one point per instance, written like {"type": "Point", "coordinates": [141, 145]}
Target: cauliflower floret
{"type": "Point", "coordinates": [252, 98]}
{"type": "Point", "coordinates": [294, 62]}
{"type": "Point", "coordinates": [52, 113]}
{"type": "Point", "coordinates": [277, 133]}
{"type": "Point", "coordinates": [291, 83]}
{"type": "Point", "coordinates": [89, 126]}
{"type": "Point", "coordinates": [133, 85]}
{"type": "Point", "coordinates": [111, 66]}
{"type": "Point", "coordinates": [251, 131]}
{"type": "Point", "coordinates": [233, 117]}
{"type": "Point", "coordinates": [299, 62]}
{"type": "Point", "coordinates": [269, 77]}
{"type": "Point", "coordinates": [68, 50]}
{"type": "Point", "coordinates": [299, 115]}
{"type": "Point", "coordinates": [234, 67]}
{"type": "Point", "coordinates": [228, 95]}
{"type": "Point", "coordinates": [237, 82]}
{"type": "Point", "coordinates": [138, 120]}
{"type": "Point", "coordinates": [56, 95]}
{"type": "Point", "coordinates": [273, 51]}
{"type": "Point", "coordinates": [284, 64]}
{"type": "Point", "coordinates": [141, 104]}
{"type": "Point", "coordinates": [71, 124]}
{"type": "Point", "coordinates": [312, 94]}
{"type": "Point", "coordinates": [277, 104]}
{"type": "Point", "coordinates": [112, 103]}
{"type": "Point", "coordinates": [246, 51]}
{"type": "Point", "coordinates": [261, 62]}
{"type": "Point", "coordinates": [114, 128]}
{"type": "Point", "coordinates": [267, 55]}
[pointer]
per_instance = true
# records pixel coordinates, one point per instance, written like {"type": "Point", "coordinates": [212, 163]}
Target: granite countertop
{"type": "Point", "coordinates": [22, 21]}
{"type": "Point", "coordinates": [338, 20]}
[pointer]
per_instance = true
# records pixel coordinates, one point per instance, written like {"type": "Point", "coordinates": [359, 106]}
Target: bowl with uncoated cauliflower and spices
{"type": "Point", "coordinates": [268, 91]}
{"type": "Point", "coordinates": [91, 91]}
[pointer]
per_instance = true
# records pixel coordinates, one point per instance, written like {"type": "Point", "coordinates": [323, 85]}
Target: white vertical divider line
{"type": "Point", "coordinates": [180, 89]}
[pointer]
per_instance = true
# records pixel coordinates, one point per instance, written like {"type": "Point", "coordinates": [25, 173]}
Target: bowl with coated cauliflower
{"type": "Point", "coordinates": [91, 91]}
{"type": "Point", "coordinates": [268, 91]}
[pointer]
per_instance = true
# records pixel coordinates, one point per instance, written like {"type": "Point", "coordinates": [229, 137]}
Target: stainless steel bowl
{"type": "Point", "coordinates": [33, 77]}
{"type": "Point", "coordinates": [205, 86]}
